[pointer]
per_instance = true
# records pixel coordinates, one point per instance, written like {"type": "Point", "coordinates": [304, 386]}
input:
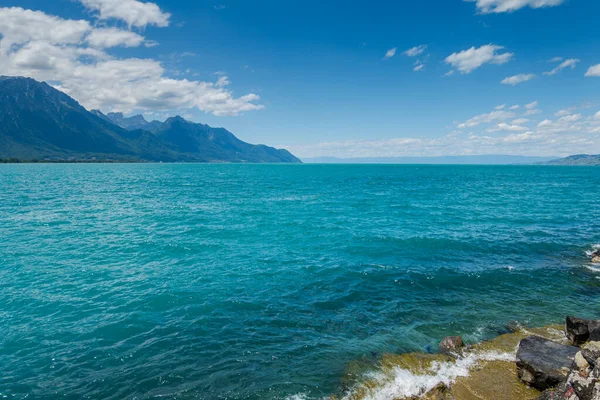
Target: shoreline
{"type": "Point", "coordinates": [488, 370]}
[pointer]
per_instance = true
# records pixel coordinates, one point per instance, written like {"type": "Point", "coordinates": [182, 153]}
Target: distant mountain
{"type": "Point", "coordinates": [38, 122]}
{"type": "Point", "coordinates": [580, 159]}
{"type": "Point", "coordinates": [130, 123]}
{"type": "Point", "coordinates": [210, 144]}
{"type": "Point", "coordinates": [466, 160]}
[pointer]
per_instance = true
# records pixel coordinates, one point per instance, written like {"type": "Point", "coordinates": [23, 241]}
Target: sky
{"type": "Point", "coordinates": [329, 78]}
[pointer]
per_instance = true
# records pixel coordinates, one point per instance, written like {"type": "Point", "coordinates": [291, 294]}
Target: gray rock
{"type": "Point", "coordinates": [440, 392]}
{"type": "Point", "coordinates": [582, 385]}
{"type": "Point", "coordinates": [594, 329]}
{"type": "Point", "coordinates": [582, 363]}
{"type": "Point", "coordinates": [451, 345]}
{"type": "Point", "coordinates": [542, 363]}
{"type": "Point", "coordinates": [577, 330]}
{"type": "Point", "coordinates": [580, 330]}
{"type": "Point", "coordinates": [563, 391]}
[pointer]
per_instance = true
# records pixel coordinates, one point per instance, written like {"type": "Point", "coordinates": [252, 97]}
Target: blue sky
{"type": "Point", "coordinates": [323, 78]}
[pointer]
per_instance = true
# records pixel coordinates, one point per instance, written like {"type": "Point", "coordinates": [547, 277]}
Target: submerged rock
{"type": "Point", "coordinates": [440, 392]}
{"type": "Point", "coordinates": [596, 256]}
{"type": "Point", "coordinates": [542, 363]}
{"type": "Point", "coordinates": [451, 345]}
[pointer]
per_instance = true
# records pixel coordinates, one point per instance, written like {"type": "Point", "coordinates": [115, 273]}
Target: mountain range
{"type": "Point", "coordinates": [433, 160]}
{"type": "Point", "coordinates": [41, 123]}
{"type": "Point", "coordinates": [579, 159]}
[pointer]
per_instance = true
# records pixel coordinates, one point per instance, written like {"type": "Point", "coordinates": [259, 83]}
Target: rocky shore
{"type": "Point", "coordinates": [557, 362]}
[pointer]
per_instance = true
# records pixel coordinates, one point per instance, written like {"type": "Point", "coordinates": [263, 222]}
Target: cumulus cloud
{"type": "Point", "coordinates": [415, 51]}
{"type": "Point", "coordinates": [469, 60]}
{"type": "Point", "coordinates": [71, 55]}
{"type": "Point", "coordinates": [390, 53]}
{"type": "Point", "coordinates": [113, 37]}
{"type": "Point", "coordinates": [516, 79]}
{"type": "Point", "coordinates": [532, 105]}
{"type": "Point", "coordinates": [502, 6]}
{"type": "Point", "coordinates": [561, 137]}
{"type": "Point", "coordinates": [593, 71]}
{"type": "Point", "coordinates": [497, 115]}
{"type": "Point", "coordinates": [504, 127]}
{"type": "Point", "coordinates": [133, 12]}
{"type": "Point", "coordinates": [418, 67]}
{"type": "Point", "coordinates": [570, 63]}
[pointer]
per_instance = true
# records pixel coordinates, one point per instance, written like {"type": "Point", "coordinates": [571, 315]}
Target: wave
{"type": "Point", "coordinates": [592, 268]}
{"type": "Point", "coordinates": [592, 250]}
{"type": "Point", "coordinates": [404, 383]}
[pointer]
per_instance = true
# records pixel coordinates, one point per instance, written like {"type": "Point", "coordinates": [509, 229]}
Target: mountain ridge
{"type": "Point", "coordinates": [41, 123]}
{"type": "Point", "coordinates": [577, 160]}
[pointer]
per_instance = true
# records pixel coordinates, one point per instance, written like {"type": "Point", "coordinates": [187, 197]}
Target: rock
{"type": "Point", "coordinates": [594, 328]}
{"type": "Point", "coordinates": [580, 330]}
{"type": "Point", "coordinates": [581, 362]}
{"type": "Point", "coordinates": [596, 259]}
{"type": "Point", "coordinates": [577, 330]}
{"type": "Point", "coordinates": [440, 392]}
{"type": "Point", "coordinates": [451, 345]}
{"type": "Point", "coordinates": [542, 363]}
{"type": "Point", "coordinates": [591, 353]}
{"type": "Point", "coordinates": [582, 385]}
{"type": "Point", "coordinates": [563, 391]}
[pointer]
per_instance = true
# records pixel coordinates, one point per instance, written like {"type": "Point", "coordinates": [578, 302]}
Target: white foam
{"type": "Point", "coordinates": [591, 268]}
{"type": "Point", "coordinates": [299, 396]}
{"type": "Point", "coordinates": [594, 248]}
{"type": "Point", "coordinates": [402, 383]}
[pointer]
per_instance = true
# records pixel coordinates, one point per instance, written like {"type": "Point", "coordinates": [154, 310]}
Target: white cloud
{"type": "Point", "coordinates": [515, 80]}
{"type": "Point", "coordinates": [555, 59]}
{"type": "Point", "coordinates": [520, 121]}
{"type": "Point", "coordinates": [572, 63]}
{"type": "Point", "coordinates": [418, 67]}
{"type": "Point", "coordinates": [562, 137]}
{"type": "Point", "coordinates": [515, 107]}
{"type": "Point", "coordinates": [566, 111]}
{"type": "Point", "coordinates": [71, 55]}
{"type": "Point", "coordinates": [570, 118]}
{"type": "Point", "coordinates": [500, 107]}
{"type": "Point", "coordinates": [113, 37]}
{"type": "Point", "coordinates": [497, 115]}
{"type": "Point", "coordinates": [502, 6]}
{"type": "Point", "coordinates": [593, 70]}
{"type": "Point", "coordinates": [390, 53]}
{"type": "Point", "coordinates": [532, 105]}
{"type": "Point", "coordinates": [504, 127]}
{"type": "Point", "coordinates": [469, 60]}
{"type": "Point", "coordinates": [133, 12]}
{"type": "Point", "coordinates": [415, 51]}
{"type": "Point", "coordinates": [18, 26]}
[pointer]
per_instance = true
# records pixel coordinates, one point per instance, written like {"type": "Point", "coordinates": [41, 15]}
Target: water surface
{"type": "Point", "coordinates": [266, 281]}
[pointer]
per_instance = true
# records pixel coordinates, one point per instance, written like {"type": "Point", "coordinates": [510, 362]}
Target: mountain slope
{"type": "Point", "coordinates": [38, 122]}
{"type": "Point", "coordinates": [129, 123]}
{"type": "Point", "coordinates": [580, 159]}
{"type": "Point", "coordinates": [216, 144]}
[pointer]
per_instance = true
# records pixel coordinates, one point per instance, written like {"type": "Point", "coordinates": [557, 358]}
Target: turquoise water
{"type": "Point", "coordinates": [266, 281]}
